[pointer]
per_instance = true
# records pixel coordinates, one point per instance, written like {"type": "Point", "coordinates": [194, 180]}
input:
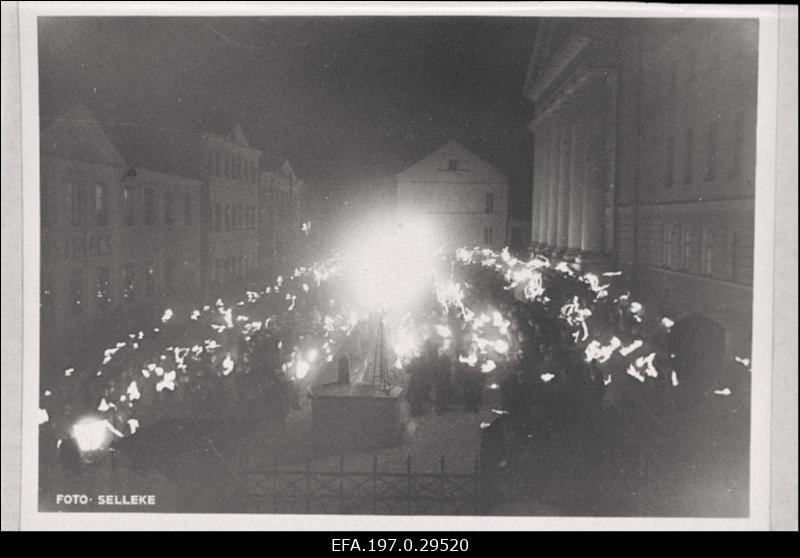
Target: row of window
{"type": "Point", "coordinates": [99, 288]}
{"type": "Point", "coordinates": [233, 267]}
{"type": "Point", "coordinates": [237, 216]}
{"type": "Point", "coordinates": [710, 146]}
{"type": "Point", "coordinates": [135, 201]}
{"type": "Point", "coordinates": [232, 165]}
{"type": "Point", "coordinates": [704, 251]}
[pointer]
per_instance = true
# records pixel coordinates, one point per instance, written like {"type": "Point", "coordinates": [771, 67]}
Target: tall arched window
{"type": "Point", "coordinates": [489, 203]}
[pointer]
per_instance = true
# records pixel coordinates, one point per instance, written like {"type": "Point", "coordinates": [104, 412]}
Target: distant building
{"type": "Point", "coordinates": [465, 195]}
{"type": "Point", "coordinates": [644, 156]}
{"type": "Point", "coordinates": [232, 168]}
{"type": "Point", "coordinates": [281, 218]}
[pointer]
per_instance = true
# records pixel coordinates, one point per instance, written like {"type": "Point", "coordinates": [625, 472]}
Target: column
{"type": "Point", "coordinates": [553, 165]}
{"type": "Point", "coordinates": [594, 190]}
{"type": "Point", "coordinates": [564, 161]}
{"type": "Point", "coordinates": [536, 177]}
{"type": "Point", "coordinates": [577, 180]}
{"type": "Point", "coordinates": [544, 180]}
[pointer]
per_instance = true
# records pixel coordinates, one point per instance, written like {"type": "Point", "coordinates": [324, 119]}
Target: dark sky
{"type": "Point", "coordinates": [342, 98]}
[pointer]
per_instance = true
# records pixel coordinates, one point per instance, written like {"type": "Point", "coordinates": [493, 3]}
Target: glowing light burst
{"type": "Point", "coordinates": [390, 262]}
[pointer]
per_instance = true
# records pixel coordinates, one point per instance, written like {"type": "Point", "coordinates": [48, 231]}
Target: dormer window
{"type": "Point", "coordinates": [452, 164]}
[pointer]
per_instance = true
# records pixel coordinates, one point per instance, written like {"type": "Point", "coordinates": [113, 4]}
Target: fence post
{"type": "Point", "coordinates": [477, 485]}
{"type": "Point", "coordinates": [274, 482]}
{"type": "Point", "coordinates": [441, 486]}
{"type": "Point", "coordinates": [308, 486]}
{"type": "Point", "coordinates": [375, 483]}
{"type": "Point", "coordinates": [408, 485]}
{"type": "Point", "coordinates": [341, 483]}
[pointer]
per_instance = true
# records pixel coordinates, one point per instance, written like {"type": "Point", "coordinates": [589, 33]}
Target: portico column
{"type": "Point", "coordinates": [536, 176]}
{"type": "Point", "coordinates": [564, 161]}
{"type": "Point", "coordinates": [592, 240]}
{"type": "Point", "coordinates": [544, 182]}
{"type": "Point", "coordinates": [553, 165]}
{"type": "Point", "coordinates": [577, 181]}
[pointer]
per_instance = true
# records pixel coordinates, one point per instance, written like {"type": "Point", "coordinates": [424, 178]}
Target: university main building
{"type": "Point", "coordinates": [644, 157]}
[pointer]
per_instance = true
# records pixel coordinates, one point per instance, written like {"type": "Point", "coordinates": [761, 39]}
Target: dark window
{"type": "Point", "coordinates": [149, 206]}
{"type": "Point", "coordinates": [735, 256]}
{"type": "Point", "coordinates": [711, 155]}
{"type": "Point", "coordinates": [686, 248]}
{"type": "Point", "coordinates": [47, 293]}
{"type": "Point", "coordinates": [452, 164]}
{"type": "Point", "coordinates": [169, 276]}
{"type": "Point", "coordinates": [130, 206]}
{"type": "Point", "coordinates": [100, 205]}
{"type": "Point", "coordinates": [150, 279]}
{"type": "Point", "coordinates": [669, 162]}
{"type": "Point", "coordinates": [489, 206]}
{"type": "Point", "coordinates": [669, 245]}
{"type": "Point", "coordinates": [691, 66]}
{"type": "Point", "coordinates": [217, 164]}
{"type": "Point", "coordinates": [707, 251]}
{"type": "Point", "coordinates": [49, 206]}
{"type": "Point", "coordinates": [673, 78]}
{"type": "Point", "coordinates": [227, 216]}
{"type": "Point", "coordinates": [187, 209]}
{"type": "Point", "coordinates": [738, 144]}
{"type": "Point", "coordinates": [688, 156]}
{"type": "Point", "coordinates": [103, 287]}
{"type": "Point", "coordinates": [128, 282]}
{"type": "Point", "coordinates": [75, 292]}
{"type": "Point", "coordinates": [169, 209]}
{"type": "Point", "coordinates": [488, 236]}
{"type": "Point", "coordinates": [217, 217]}
{"type": "Point", "coordinates": [76, 204]}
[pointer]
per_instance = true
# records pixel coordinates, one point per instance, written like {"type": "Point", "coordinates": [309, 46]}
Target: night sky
{"type": "Point", "coordinates": [344, 99]}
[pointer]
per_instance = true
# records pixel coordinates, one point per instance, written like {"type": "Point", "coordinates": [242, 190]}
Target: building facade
{"type": "Point", "coordinates": [116, 240]}
{"type": "Point", "coordinates": [232, 229]}
{"type": "Point", "coordinates": [282, 224]}
{"type": "Point", "coordinates": [464, 195]}
{"type": "Point", "coordinates": [644, 156]}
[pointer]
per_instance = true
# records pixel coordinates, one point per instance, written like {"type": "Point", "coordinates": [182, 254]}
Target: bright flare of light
{"type": "Point", "coordinates": [390, 261]}
{"type": "Point", "coordinates": [547, 376]}
{"type": "Point", "coordinates": [227, 365]}
{"type": "Point", "coordinates": [725, 392]}
{"type": "Point", "coordinates": [92, 434]}
{"type": "Point", "coordinates": [133, 425]}
{"type": "Point", "coordinates": [167, 315]}
{"type": "Point", "coordinates": [488, 366]}
{"type": "Point", "coordinates": [42, 416]}
{"type": "Point", "coordinates": [301, 369]}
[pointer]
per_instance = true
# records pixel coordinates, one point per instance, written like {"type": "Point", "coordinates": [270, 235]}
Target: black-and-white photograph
{"type": "Point", "coordinates": [409, 265]}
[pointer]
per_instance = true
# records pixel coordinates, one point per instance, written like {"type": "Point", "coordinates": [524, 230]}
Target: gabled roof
{"type": "Point", "coordinates": [437, 161]}
{"type": "Point", "coordinates": [236, 135]}
{"type": "Point", "coordinates": [78, 135]}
